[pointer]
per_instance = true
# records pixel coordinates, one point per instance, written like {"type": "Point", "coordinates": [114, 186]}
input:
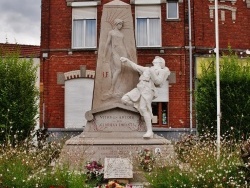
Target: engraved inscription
{"type": "Point", "coordinates": [105, 74]}
{"type": "Point", "coordinates": [117, 121]}
{"type": "Point", "coordinates": [117, 168]}
{"type": "Point", "coordinates": [114, 151]}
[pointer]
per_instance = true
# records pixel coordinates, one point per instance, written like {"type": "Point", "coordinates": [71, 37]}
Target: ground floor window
{"type": "Point", "coordinates": [160, 112]}
{"type": "Point", "coordinates": [78, 100]}
{"type": "Point", "coordinates": [160, 106]}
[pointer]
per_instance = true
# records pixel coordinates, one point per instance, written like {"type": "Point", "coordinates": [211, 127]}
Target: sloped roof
{"type": "Point", "coordinates": [24, 50]}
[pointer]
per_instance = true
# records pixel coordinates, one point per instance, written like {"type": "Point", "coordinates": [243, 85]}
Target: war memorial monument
{"type": "Point", "coordinates": [119, 123]}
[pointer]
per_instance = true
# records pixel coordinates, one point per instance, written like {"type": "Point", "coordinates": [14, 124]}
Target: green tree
{"type": "Point", "coordinates": [235, 96]}
{"type": "Point", "coordinates": [18, 97]}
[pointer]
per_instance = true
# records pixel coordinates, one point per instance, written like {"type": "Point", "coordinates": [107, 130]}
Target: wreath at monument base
{"type": "Point", "coordinates": [94, 171]}
{"type": "Point", "coordinates": [146, 160]}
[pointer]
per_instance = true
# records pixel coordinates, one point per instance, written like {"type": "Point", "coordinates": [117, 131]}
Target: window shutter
{"type": "Point", "coordinates": [78, 100]}
{"type": "Point", "coordinates": [148, 11]}
{"type": "Point", "coordinates": [84, 13]}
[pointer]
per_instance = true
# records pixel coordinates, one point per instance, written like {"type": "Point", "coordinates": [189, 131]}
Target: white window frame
{"type": "Point", "coordinates": [148, 15]}
{"type": "Point", "coordinates": [84, 14]}
{"type": "Point", "coordinates": [177, 10]}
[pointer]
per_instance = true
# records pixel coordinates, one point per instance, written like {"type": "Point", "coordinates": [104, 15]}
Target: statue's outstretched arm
{"type": "Point", "coordinates": [136, 67]}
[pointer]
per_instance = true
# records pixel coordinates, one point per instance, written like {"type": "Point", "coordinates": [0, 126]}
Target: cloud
{"type": "Point", "coordinates": [20, 21]}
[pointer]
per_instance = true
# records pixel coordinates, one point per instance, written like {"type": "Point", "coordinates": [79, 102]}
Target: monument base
{"type": "Point", "coordinates": [79, 150]}
{"type": "Point", "coordinates": [115, 131]}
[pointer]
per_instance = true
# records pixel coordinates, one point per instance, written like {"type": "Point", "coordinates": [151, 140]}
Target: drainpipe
{"type": "Point", "coordinates": [190, 66]}
{"type": "Point", "coordinates": [45, 63]}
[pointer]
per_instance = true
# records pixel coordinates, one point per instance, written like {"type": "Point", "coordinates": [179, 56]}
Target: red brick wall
{"type": "Point", "coordinates": [54, 93]}
{"type": "Point", "coordinates": [56, 40]}
{"type": "Point", "coordinates": [236, 34]}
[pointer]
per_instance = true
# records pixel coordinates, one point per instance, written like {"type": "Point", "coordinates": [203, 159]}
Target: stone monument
{"type": "Point", "coordinates": [115, 129]}
{"type": "Point", "coordinates": [116, 40]}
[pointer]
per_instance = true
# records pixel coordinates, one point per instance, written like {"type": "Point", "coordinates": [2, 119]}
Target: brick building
{"type": "Point", "coordinates": [70, 32]}
{"type": "Point", "coordinates": [25, 51]}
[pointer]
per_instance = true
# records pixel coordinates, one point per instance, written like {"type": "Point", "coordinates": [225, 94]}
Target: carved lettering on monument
{"type": "Point", "coordinates": [116, 122]}
{"type": "Point", "coordinates": [105, 74]}
{"type": "Point", "coordinates": [118, 168]}
{"type": "Point", "coordinates": [114, 151]}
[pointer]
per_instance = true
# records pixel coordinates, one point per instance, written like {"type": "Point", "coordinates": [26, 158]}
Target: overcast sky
{"type": "Point", "coordinates": [20, 21]}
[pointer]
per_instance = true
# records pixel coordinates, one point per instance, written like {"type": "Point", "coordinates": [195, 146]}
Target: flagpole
{"type": "Point", "coordinates": [190, 67]}
{"type": "Point", "coordinates": [217, 77]}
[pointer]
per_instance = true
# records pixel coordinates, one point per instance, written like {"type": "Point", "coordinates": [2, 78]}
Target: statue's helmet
{"type": "Point", "coordinates": [159, 60]}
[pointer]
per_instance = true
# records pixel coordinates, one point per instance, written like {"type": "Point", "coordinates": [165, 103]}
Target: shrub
{"type": "Point", "coordinates": [235, 98]}
{"type": "Point", "coordinates": [18, 97]}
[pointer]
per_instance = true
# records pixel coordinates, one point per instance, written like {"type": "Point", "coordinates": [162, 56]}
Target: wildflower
{"type": "Point", "coordinates": [95, 171]}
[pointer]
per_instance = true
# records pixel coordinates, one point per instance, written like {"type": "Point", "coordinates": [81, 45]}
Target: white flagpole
{"type": "Point", "coordinates": [217, 77]}
{"type": "Point", "coordinates": [190, 67]}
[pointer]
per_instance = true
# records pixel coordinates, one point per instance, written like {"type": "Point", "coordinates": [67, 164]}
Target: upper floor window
{"type": "Point", "coordinates": [148, 26]}
{"type": "Point", "coordinates": [84, 27]}
{"type": "Point", "coordinates": [172, 10]}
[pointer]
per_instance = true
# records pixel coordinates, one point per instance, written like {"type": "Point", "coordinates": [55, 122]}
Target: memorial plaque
{"type": "Point", "coordinates": [118, 168]}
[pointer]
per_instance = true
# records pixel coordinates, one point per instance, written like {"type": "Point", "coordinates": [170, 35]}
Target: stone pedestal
{"type": "Point", "coordinates": [114, 132]}
{"type": "Point", "coordinates": [78, 150]}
